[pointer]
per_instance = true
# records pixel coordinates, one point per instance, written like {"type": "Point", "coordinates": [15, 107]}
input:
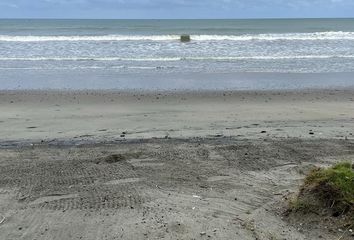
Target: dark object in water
{"type": "Point", "coordinates": [185, 38]}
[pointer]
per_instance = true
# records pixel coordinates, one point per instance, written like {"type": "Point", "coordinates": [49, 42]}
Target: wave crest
{"type": "Point", "coordinates": [174, 59]}
{"type": "Point", "coordinates": [248, 37]}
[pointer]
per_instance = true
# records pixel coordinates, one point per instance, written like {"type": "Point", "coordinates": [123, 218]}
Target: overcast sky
{"type": "Point", "coordinates": [175, 8]}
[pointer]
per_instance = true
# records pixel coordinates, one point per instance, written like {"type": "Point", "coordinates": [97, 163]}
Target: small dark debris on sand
{"type": "Point", "coordinates": [114, 158]}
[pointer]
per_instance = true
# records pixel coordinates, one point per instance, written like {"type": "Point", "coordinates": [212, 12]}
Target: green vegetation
{"type": "Point", "coordinates": [328, 190]}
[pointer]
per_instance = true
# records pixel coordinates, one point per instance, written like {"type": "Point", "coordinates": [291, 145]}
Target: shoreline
{"type": "Point", "coordinates": [160, 80]}
{"type": "Point", "coordinates": [177, 91]}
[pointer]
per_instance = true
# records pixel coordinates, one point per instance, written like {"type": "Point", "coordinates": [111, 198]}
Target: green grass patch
{"type": "Point", "coordinates": [329, 190]}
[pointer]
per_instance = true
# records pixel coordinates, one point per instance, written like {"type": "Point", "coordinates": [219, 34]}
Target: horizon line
{"type": "Point", "coordinates": [264, 18]}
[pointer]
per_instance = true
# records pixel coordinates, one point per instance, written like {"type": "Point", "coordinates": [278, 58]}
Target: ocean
{"type": "Point", "coordinates": [148, 54]}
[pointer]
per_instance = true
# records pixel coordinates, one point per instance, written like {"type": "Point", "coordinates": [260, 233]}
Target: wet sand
{"type": "Point", "coordinates": [168, 165]}
{"type": "Point", "coordinates": [108, 115]}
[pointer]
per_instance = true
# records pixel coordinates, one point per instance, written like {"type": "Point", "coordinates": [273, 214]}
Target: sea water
{"type": "Point", "coordinates": [148, 54]}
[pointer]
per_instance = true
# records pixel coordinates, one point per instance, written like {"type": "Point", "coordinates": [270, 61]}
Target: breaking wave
{"type": "Point", "coordinates": [173, 59]}
{"type": "Point", "coordinates": [248, 37]}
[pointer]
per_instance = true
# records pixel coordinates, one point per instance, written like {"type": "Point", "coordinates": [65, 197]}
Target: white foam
{"type": "Point", "coordinates": [108, 38]}
{"type": "Point", "coordinates": [280, 36]}
{"type": "Point", "coordinates": [247, 37]}
{"type": "Point", "coordinates": [174, 59]}
{"type": "Point", "coordinates": [88, 59]}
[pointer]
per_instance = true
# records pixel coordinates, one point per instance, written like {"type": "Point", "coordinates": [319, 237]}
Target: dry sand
{"type": "Point", "coordinates": [87, 165]}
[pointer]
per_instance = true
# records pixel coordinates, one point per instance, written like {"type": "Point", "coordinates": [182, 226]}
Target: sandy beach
{"type": "Point", "coordinates": [106, 116]}
{"type": "Point", "coordinates": [166, 165]}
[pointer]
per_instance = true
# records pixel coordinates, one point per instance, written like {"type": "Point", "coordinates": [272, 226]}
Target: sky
{"type": "Point", "coordinates": [155, 9]}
